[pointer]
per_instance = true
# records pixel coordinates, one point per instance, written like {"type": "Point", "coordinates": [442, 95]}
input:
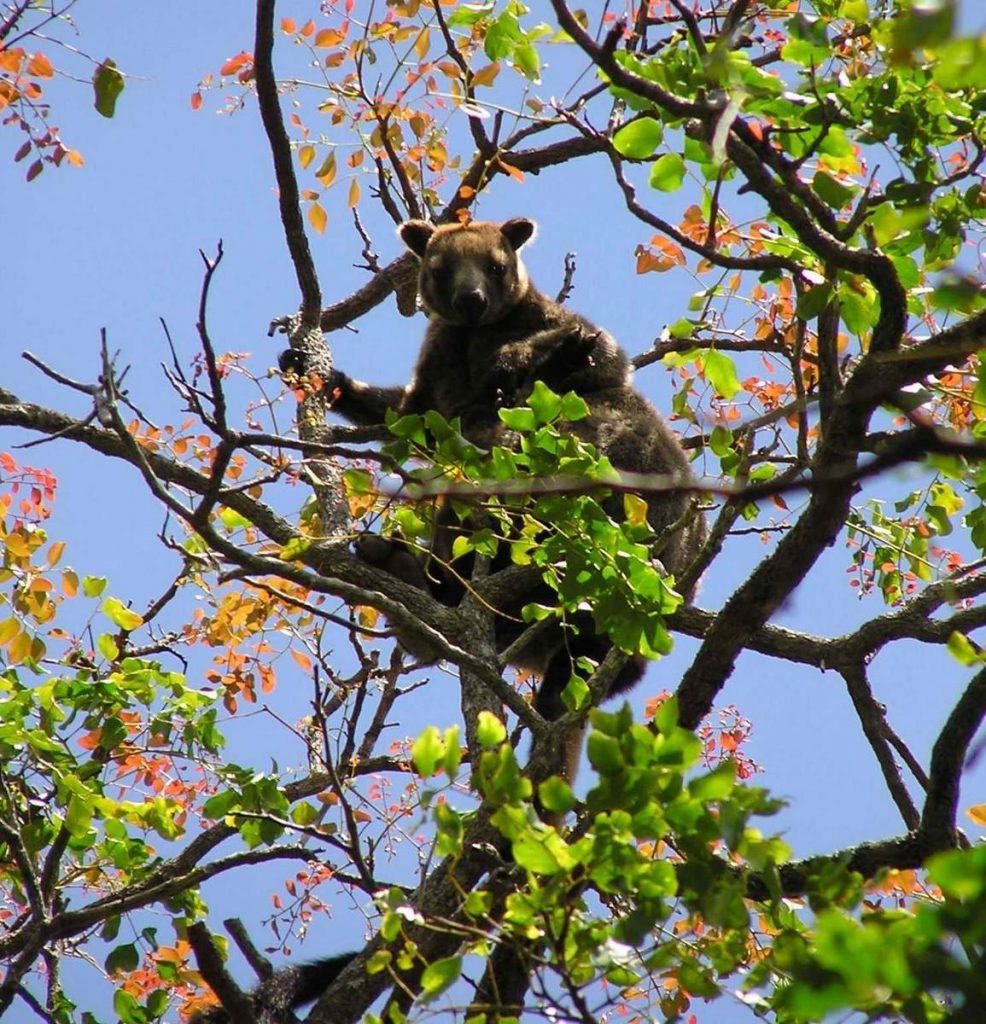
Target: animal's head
{"type": "Point", "coordinates": [470, 273]}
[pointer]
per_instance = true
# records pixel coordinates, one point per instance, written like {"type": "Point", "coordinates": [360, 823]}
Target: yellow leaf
{"type": "Point", "coordinates": [70, 582]}
{"type": "Point", "coordinates": [423, 44]}
{"type": "Point", "coordinates": [19, 648]}
{"type": "Point", "coordinates": [16, 544]}
{"type": "Point", "coordinates": [327, 172]}
{"type": "Point", "coordinates": [353, 193]}
{"type": "Point", "coordinates": [9, 628]}
{"type": "Point", "coordinates": [367, 616]}
{"type": "Point", "coordinates": [317, 217]}
{"type": "Point", "coordinates": [978, 814]}
{"type": "Point", "coordinates": [306, 155]}
{"type": "Point", "coordinates": [635, 509]}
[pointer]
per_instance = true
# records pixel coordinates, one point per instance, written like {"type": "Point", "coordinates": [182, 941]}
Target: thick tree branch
{"type": "Point", "coordinates": [948, 757]}
{"type": "Point", "coordinates": [289, 199]}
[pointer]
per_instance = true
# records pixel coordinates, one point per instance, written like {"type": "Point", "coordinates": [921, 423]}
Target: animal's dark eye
{"type": "Point", "coordinates": [498, 268]}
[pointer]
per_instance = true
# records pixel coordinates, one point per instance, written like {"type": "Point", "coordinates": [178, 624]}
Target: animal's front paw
{"type": "Point", "coordinates": [291, 361]}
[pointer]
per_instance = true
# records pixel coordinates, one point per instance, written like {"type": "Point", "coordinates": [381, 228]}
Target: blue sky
{"type": "Point", "coordinates": [115, 245]}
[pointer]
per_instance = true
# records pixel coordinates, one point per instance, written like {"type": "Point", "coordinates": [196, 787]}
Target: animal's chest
{"type": "Point", "coordinates": [480, 366]}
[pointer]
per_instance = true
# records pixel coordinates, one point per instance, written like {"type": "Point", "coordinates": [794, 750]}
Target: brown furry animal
{"type": "Point", "coordinates": [491, 335]}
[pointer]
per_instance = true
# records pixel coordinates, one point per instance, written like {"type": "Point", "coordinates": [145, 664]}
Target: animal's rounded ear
{"type": "Point", "coordinates": [415, 234]}
{"type": "Point", "coordinates": [518, 231]}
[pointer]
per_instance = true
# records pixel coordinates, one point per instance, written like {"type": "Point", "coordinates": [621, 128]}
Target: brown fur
{"type": "Point", "coordinates": [490, 336]}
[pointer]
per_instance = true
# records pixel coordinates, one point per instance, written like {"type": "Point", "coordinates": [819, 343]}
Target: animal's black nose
{"type": "Point", "coordinates": [470, 305]}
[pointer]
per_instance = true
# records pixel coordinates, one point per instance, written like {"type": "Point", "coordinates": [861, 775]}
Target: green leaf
{"type": "Point", "coordinates": [469, 14]}
{"type": "Point", "coordinates": [556, 795]}
{"type": "Point", "coordinates": [478, 903]}
{"type": "Point", "coordinates": [812, 302]}
{"type": "Point", "coordinates": [107, 647]}
{"type": "Point", "coordinates": [541, 852]}
{"type": "Point", "coordinates": [428, 750]}
{"type": "Point", "coordinates": [294, 549]}
{"type": "Point", "coordinates": [714, 785]}
{"type": "Point", "coordinates": [490, 731]}
{"type": "Point", "coordinates": [358, 481]}
{"type": "Point", "coordinates": [439, 976]}
{"type": "Point", "coordinates": [78, 815]}
{"type": "Point", "coordinates": [528, 62]}
{"type": "Point", "coordinates": [124, 959]}
{"type": "Point", "coordinates": [721, 441]}
{"type": "Point", "coordinates": [93, 586]}
{"type": "Point", "coordinates": [524, 420]}
{"type": "Point", "coordinates": [962, 650]}
{"type": "Point", "coordinates": [303, 814]}
{"type": "Point", "coordinates": [808, 44]}
{"type": "Point", "coordinates": [502, 36]}
{"type": "Point", "coordinates": [721, 373]}
{"type": "Point", "coordinates": [639, 139]}
{"type": "Point", "coordinates": [545, 404]}
{"type": "Point", "coordinates": [574, 407]}
{"type": "Point", "coordinates": [453, 751]}
{"type": "Point", "coordinates": [107, 84]}
{"type": "Point", "coordinates": [120, 615]}
{"type": "Point", "coordinates": [834, 192]}
{"type": "Point", "coordinates": [668, 173]}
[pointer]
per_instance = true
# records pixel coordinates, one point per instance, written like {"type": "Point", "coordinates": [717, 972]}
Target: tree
{"type": "Point", "coordinates": [824, 159]}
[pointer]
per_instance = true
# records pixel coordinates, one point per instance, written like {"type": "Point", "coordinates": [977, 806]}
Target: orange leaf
{"type": "Point", "coordinates": [11, 60]}
{"type": "Point", "coordinates": [40, 66]}
{"type": "Point", "coordinates": [91, 739]}
{"type": "Point", "coordinates": [317, 217]}
{"type": "Point", "coordinates": [328, 37]}
{"type": "Point", "coordinates": [234, 64]}
{"type": "Point", "coordinates": [487, 75]}
{"type": "Point", "coordinates": [353, 193]}
{"type": "Point", "coordinates": [304, 662]}
{"type": "Point", "coordinates": [288, 26]}
{"type": "Point", "coordinates": [196, 101]}
{"type": "Point", "coordinates": [515, 172]}
{"type": "Point", "coordinates": [308, 28]}
{"type": "Point", "coordinates": [977, 813]}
